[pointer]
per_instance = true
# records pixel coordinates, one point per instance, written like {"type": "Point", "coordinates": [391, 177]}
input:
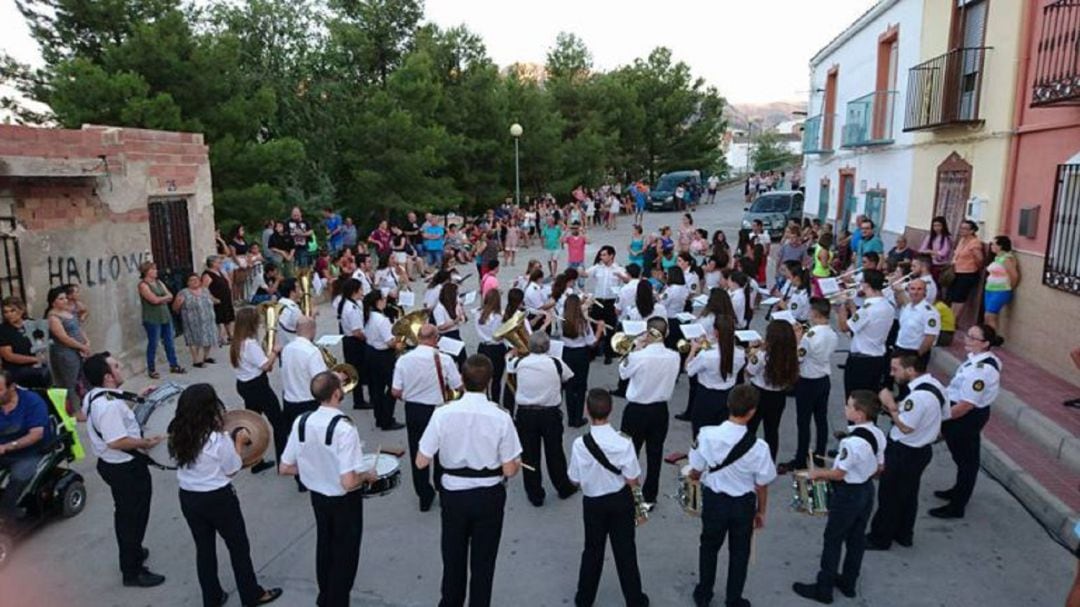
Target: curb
{"type": "Point", "coordinates": [1058, 519]}
{"type": "Point", "coordinates": [1056, 441]}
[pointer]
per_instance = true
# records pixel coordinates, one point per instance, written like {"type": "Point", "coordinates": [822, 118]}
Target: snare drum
{"type": "Point", "coordinates": [688, 492]}
{"type": "Point", "coordinates": [811, 497]}
{"type": "Point", "coordinates": [388, 472]}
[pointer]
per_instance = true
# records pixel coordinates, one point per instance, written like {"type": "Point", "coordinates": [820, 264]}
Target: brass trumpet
{"type": "Point", "coordinates": [304, 278]}
{"type": "Point", "coordinates": [623, 344]}
{"type": "Point", "coordinates": [352, 377]}
{"type": "Point", "coordinates": [684, 345]}
{"type": "Point", "coordinates": [270, 312]}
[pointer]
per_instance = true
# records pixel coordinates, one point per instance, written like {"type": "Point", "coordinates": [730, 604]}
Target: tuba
{"type": "Point", "coordinates": [352, 377]}
{"type": "Point", "coordinates": [306, 304]}
{"type": "Point", "coordinates": [513, 331]}
{"type": "Point", "coordinates": [407, 327]}
{"type": "Point", "coordinates": [258, 434]}
{"type": "Point", "coordinates": [270, 312]}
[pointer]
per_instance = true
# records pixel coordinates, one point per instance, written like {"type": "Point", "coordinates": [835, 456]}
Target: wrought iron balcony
{"type": "Point", "coordinates": [815, 138]}
{"type": "Point", "coordinates": [946, 90]}
{"type": "Point", "coordinates": [869, 120]}
{"type": "Point", "coordinates": [1057, 60]}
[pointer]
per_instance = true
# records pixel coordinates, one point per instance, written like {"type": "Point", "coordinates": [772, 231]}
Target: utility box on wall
{"type": "Point", "coordinates": [1029, 222]}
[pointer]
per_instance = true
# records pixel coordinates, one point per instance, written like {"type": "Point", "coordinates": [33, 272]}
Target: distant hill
{"type": "Point", "coordinates": [766, 114]}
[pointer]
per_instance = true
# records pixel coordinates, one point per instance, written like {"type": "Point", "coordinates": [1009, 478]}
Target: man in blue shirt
{"type": "Point", "coordinates": [334, 229]}
{"type": "Point", "coordinates": [869, 242]}
{"type": "Point", "coordinates": [856, 237]}
{"type": "Point", "coordinates": [24, 424]}
{"type": "Point", "coordinates": [434, 242]}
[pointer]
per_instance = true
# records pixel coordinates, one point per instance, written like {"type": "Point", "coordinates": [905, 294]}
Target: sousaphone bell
{"type": "Point", "coordinates": [513, 331]}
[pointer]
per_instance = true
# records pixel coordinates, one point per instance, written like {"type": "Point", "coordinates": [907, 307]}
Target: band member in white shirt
{"type": "Point", "coordinates": [920, 322]}
{"type": "Point", "coordinates": [628, 291]}
{"type": "Point", "coordinates": [795, 295]}
{"type": "Point", "coordinates": [916, 425]}
{"type": "Point", "coordinates": [325, 450]}
{"type": "Point", "coordinates": [288, 295]}
{"type": "Point", "coordinates": [735, 471]}
{"type": "Point", "coordinates": [486, 323]}
{"type": "Point", "coordinates": [714, 369]}
{"type": "Point", "coordinates": [718, 304]}
{"type": "Point", "coordinates": [431, 296]}
{"type": "Point", "coordinates": [381, 354]}
{"type": "Point", "coordinates": [645, 304]}
{"type": "Point", "coordinates": [738, 287]}
{"type": "Point", "coordinates": [674, 297]}
{"type": "Point", "coordinates": [117, 441]}
{"type": "Point", "coordinates": [921, 267]}
{"type": "Point", "coordinates": [353, 342]}
{"type": "Point", "coordinates": [604, 464]}
{"type": "Point", "coordinates": [690, 271]}
{"type": "Point", "coordinates": [578, 336]}
{"type": "Point", "coordinates": [479, 448]}
{"type": "Point", "coordinates": [301, 361]}
{"type": "Point", "coordinates": [449, 315]}
{"type": "Point", "coordinates": [206, 461]}
{"type": "Point", "coordinates": [364, 273]}
{"type": "Point", "coordinates": [651, 370]}
{"type": "Point", "coordinates": [540, 378]}
{"type": "Point", "coordinates": [816, 348]}
{"type": "Point", "coordinates": [773, 369]}
{"type": "Point", "coordinates": [536, 301]}
{"type": "Point", "coordinates": [422, 378]}
{"type": "Point", "coordinates": [608, 278]}
{"type": "Point", "coordinates": [251, 366]}
{"type": "Point", "coordinates": [869, 327]}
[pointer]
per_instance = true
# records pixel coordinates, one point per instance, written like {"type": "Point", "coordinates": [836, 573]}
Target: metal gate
{"type": "Point", "coordinates": [11, 278]}
{"type": "Point", "coordinates": [170, 241]}
{"type": "Point", "coordinates": [1062, 269]}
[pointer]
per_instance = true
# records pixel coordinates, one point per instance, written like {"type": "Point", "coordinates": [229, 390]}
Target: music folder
{"type": "Point", "coordinates": [451, 346]}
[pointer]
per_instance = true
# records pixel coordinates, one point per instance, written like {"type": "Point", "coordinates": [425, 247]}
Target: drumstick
{"type": "Point", "coordinates": [528, 467]}
{"type": "Point", "coordinates": [753, 547]}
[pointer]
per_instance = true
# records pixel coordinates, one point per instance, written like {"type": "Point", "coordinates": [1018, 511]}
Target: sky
{"type": "Point", "coordinates": [753, 51]}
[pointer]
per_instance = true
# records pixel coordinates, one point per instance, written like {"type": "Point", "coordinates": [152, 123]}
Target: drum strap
{"type": "Point", "coordinates": [932, 389]}
{"type": "Point", "coordinates": [740, 449]}
{"type": "Point", "coordinates": [301, 429]}
{"type": "Point", "coordinates": [439, 375]}
{"type": "Point", "coordinates": [867, 436]}
{"type": "Point", "coordinates": [135, 453]}
{"type": "Point", "coordinates": [991, 362]}
{"type": "Point", "coordinates": [598, 453]}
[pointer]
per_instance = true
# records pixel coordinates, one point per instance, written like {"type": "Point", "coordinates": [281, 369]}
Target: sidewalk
{"type": "Point", "coordinates": [1031, 444]}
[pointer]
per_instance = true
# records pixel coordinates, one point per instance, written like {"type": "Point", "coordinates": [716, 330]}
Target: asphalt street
{"type": "Point", "coordinates": [997, 555]}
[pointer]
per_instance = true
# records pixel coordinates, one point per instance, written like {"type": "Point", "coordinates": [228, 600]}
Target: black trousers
{"type": "Point", "coordinates": [259, 397]}
{"type": "Point", "coordinates": [339, 528]}
{"type": "Point", "coordinates": [609, 517]}
{"type": "Point", "coordinates": [417, 416]}
{"type": "Point", "coordinates": [708, 408]}
{"type": "Point", "coordinates": [472, 523]}
{"type": "Point", "coordinates": [647, 424]}
{"type": "Point", "coordinates": [209, 514]}
{"type": "Point", "coordinates": [509, 400]}
{"type": "Point", "coordinates": [898, 493]}
{"type": "Point", "coordinates": [611, 320]}
{"type": "Point", "coordinates": [849, 512]}
{"type": "Point", "coordinates": [964, 438]}
{"type": "Point", "coordinates": [497, 354]}
{"type": "Point", "coordinates": [31, 377]}
{"type": "Point", "coordinates": [131, 492]}
{"type": "Point", "coordinates": [538, 427]}
{"type": "Point", "coordinates": [811, 400]}
{"type": "Point", "coordinates": [380, 370]}
{"type": "Point", "coordinates": [355, 352]}
{"type": "Point", "coordinates": [723, 516]}
{"type": "Point", "coordinates": [863, 373]}
{"type": "Point", "coordinates": [578, 361]}
{"type": "Point", "coordinates": [289, 413]}
{"type": "Point", "coordinates": [691, 395]}
{"type": "Point", "coordinates": [770, 410]}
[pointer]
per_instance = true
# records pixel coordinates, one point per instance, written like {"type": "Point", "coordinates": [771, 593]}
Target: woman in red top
{"type": "Point", "coordinates": [380, 237]}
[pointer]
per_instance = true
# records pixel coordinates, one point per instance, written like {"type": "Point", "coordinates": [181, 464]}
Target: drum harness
{"type": "Point", "coordinates": [740, 449]}
{"type": "Point", "coordinates": [301, 429]}
{"type": "Point", "coordinates": [135, 453]}
{"type": "Point", "coordinates": [598, 454]}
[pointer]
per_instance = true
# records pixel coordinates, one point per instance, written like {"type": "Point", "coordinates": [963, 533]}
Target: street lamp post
{"type": "Point", "coordinates": [515, 132]}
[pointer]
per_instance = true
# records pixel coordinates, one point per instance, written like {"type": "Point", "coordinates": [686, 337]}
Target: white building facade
{"type": "Point", "coordinates": [857, 158]}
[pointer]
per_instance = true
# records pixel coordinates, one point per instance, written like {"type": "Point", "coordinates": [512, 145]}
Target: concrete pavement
{"type": "Point", "coordinates": [997, 555]}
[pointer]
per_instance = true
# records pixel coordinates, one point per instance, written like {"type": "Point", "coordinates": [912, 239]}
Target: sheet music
{"type": "Point", "coordinates": [329, 341]}
{"type": "Point", "coordinates": [785, 315]}
{"type": "Point", "coordinates": [556, 348]}
{"type": "Point", "coordinates": [406, 299]}
{"type": "Point", "coordinates": [634, 327]}
{"type": "Point", "coordinates": [772, 301]}
{"type": "Point", "coordinates": [828, 286]}
{"type": "Point", "coordinates": [685, 317]}
{"type": "Point", "coordinates": [748, 336]}
{"type": "Point", "coordinates": [693, 331]}
{"type": "Point", "coordinates": [451, 346]}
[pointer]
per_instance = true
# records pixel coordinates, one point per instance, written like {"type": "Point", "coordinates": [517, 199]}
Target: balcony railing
{"type": "Point", "coordinates": [815, 139]}
{"type": "Point", "coordinates": [1057, 62]}
{"type": "Point", "coordinates": [869, 120]}
{"type": "Point", "coordinates": [945, 90]}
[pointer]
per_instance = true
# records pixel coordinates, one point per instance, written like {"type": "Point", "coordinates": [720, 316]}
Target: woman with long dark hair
{"type": "Point", "coordinates": [449, 315]}
{"type": "Point", "coordinates": [486, 323]}
{"type": "Point", "coordinates": [718, 304]}
{"type": "Point", "coordinates": [351, 325]}
{"type": "Point", "coordinates": [774, 369]}
{"type": "Point", "coordinates": [738, 288]}
{"type": "Point", "coordinates": [939, 244]}
{"type": "Point", "coordinates": [578, 336]}
{"type": "Point", "coordinates": [379, 344]}
{"type": "Point", "coordinates": [16, 347]}
{"type": "Point", "coordinates": [207, 459]}
{"type": "Point", "coordinates": [645, 304]}
{"type": "Point", "coordinates": [795, 295]}
{"type": "Point", "coordinates": [215, 280]}
{"type": "Point", "coordinates": [716, 370]}
{"type": "Point", "coordinates": [251, 366]}
{"type": "Point", "coordinates": [435, 285]}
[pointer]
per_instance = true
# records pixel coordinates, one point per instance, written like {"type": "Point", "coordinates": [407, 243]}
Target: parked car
{"type": "Point", "coordinates": [662, 195]}
{"type": "Point", "coordinates": [775, 209]}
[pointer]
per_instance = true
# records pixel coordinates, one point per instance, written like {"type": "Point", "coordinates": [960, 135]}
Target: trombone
{"type": "Point", "coordinates": [623, 344]}
{"type": "Point", "coordinates": [684, 345]}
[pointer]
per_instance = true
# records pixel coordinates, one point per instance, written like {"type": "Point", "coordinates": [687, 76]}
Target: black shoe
{"type": "Point", "coordinates": [538, 502]}
{"type": "Point", "coordinates": [394, 425]}
{"type": "Point", "coordinates": [740, 602]}
{"type": "Point", "coordinates": [224, 598]}
{"type": "Point", "coordinates": [790, 466]}
{"type": "Point", "coordinates": [607, 361]}
{"type": "Point", "coordinates": [145, 554]}
{"type": "Point", "coordinates": [833, 452]}
{"type": "Point", "coordinates": [845, 588]}
{"type": "Point", "coordinates": [209, 361]}
{"type": "Point", "coordinates": [947, 511]}
{"type": "Point", "coordinates": [144, 579]}
{"type": "Point", "coordinates": [683, 417]}
{"type": "Point", "coordinates": [269, 596]}
{"type": "Point", "coordinates": [945, 494]}
{"type": "Point", "coordinates": [579, 423]}
{"type": "Point", "coordinates": [811, 591]}
{"type": "Point", "coordinates": [874, 545]}
{"type": "Point", "coordinates": [360, 406]}
{"type": "Point", "coordinates": [565, 494]}
{"type": "Point", "coordinates": [425, 505]}
{"type": "Point", "coordinates": [906, 543]}
{"type": "Point", "coordinates": [261, 467]}
{"type": "Point", "coordinates": [301, 488]}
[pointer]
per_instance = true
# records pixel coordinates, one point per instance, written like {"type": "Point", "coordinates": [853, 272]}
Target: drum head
{"type": "Point", "coordinates": [384, 464]}
{"type": "Point", "coordinates": [157, 423]}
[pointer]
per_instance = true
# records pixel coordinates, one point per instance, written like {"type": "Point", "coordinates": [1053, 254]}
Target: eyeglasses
{"type": "Point", "coordinates": [973, 338]}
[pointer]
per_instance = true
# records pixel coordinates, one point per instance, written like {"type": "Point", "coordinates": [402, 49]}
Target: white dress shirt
{"type": "Point", "coordinates": [869, 326]}
{"type": "Point", "coordinates": [213, 468]}
{"type": "Point", "coordinates": [386, 280]}
{"type": "Point", "coordinates": [658, 311]}
{"type": "Point", "coordinates": [705, 366]}
{"type": "Point", "coordinates": [652, 372]}
{"type": "Point", "coordinates": [442, 316]}
{"type": "Point", "coordinates": [931, 288]}
{"type": "Point", "coordinates": [738, 302]}
{"type": "Point", "coordinates": [365, 281]}
{"type": "Point", "coordinates": [416, 377]}
{"type": "Point", "coordinates": [692, 281]}
{"type": "Point", "coordinates": [916, 322]}
{"type": "Point", "coordinates": [471, 432]}
{"type": "Point", "coordinates": [976, 381]}
{"type": "Point", "coordinates": [301, 361]}
{"type": "Point", "coordinates": [627, 294]}
{"type": "Point", "coordinates": [675, 299]}
{"type": "Point", "coordinates": [815, 352]}
{"type": "Point", "coordinates": [798, 303]}
{"type": "Point", "coordinates": [754, 469]}
{"type": "Point", "coordinates": [856, 458]}
{"type": "Point", "coordinates": [110, 419]}
{"type": "Point", "coordinates": [587, 338]}
{"type": "Point", "coordinates": [607, 280]}
{"type": "Point", "coordinates": [534, 298]}
{"type": "Point", "coordinates": [321, 466]}
{"type": "Point", "coordinates": [252, 359]}
{"type": "Point", "coordinates": [486, 330]}
{"type": "Point", "coordinates": [712, 280]}
{"type": "Point", "coordinates": [539, 379]}
{"type": "Point", "coordinates": [377, 331]}
{"type": "Point", "coordinates": [594, 479]}
{"type": "Point", "coordinates": [755, 370]}
{"type": "Point", "coordinates": [431, 297]}
{"type": "Point", "coordinates": [352, 318]}
{"type": "Point", "coordinates": [287, 320]}
{"type": "Point", "coordinates": [920, 411]}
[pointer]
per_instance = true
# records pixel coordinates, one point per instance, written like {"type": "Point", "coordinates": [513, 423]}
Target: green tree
{"type": "Point", "coordinates": [770, 153]}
